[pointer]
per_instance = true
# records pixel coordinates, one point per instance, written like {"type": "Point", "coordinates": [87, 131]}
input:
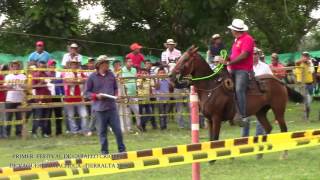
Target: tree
{"type": "Point", "coordinates": [152, 22]}
{"type": "Point", "coordinates": [42, 17]}
{"type": "Point", "coordinates": [284, 23]}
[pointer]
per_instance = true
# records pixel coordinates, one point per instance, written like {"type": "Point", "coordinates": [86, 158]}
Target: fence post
{"type": "Point", "coordinates": [304, 92]}
{"type": "Point", "coordinates": [28, 90]}
{"type": "Point", "coordinates": [194, 106]}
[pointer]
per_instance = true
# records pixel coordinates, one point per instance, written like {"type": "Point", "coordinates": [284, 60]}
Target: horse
{"type": "Point", "coordinates": [217, 99]}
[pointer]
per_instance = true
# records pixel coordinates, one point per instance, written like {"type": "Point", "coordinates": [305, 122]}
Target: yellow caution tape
{"type": "Point", "coordinates": [164, 157]}
{"type": "Point", "coordinates": [61, 70]}
{"type": "Point", "coordinates": [13, 72]}
{"type": "Point", "coordinates": [121, 100]}
{"type": "Point", "coordinates": [18, 122]}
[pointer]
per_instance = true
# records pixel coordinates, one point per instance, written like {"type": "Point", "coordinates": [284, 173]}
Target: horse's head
{"type": "Point", "coordinates": [184, 67]}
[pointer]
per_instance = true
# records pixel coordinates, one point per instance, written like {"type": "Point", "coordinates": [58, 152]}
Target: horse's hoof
{"type": "Point", "coordinates": [212, 162]}
{"type": "Point", "coordinates": [259, 156]}
{"type": "Point", "coordinates": [284, 155]}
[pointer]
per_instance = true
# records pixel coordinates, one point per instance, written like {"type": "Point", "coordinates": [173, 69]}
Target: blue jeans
{"type": "Point", "coordinates": [145, 109]}
{"type": "Point", "coordinates": [246, 130]}
{"type": "Point", "coordinates": [9, 117]}
{"type": "Point", "coordinates": [82, 112]}
{"type": "Point", "coordinates": [309, 88]}
{"type": "Point", "coordinates": [105, 119]}
{"type": "Point", "coordinates": [41, 120]}
{"type": "Point", "coordinates": [164, 110]}
{"type": "Point", "coordinates": [241, 79]}
{"type": "Point", "coordinates": [3, 133]}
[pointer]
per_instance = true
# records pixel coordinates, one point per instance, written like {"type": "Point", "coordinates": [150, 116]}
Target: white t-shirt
{"type": "Point", "coordinates": [15, 81]}
{"type": "Point", "coordinates": [172, 55]}
{"type": "Point", "coordinates": [67, 57]}
{"type": "Point", "coordinates": [261, 68]}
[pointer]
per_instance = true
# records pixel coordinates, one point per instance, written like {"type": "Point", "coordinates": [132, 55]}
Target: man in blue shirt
{"type": "Point", "coordinates": [39, 55]}
{"type": "Point", "coordinates": [101, 82]}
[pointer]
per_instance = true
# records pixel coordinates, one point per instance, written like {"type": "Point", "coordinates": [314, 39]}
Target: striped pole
{"type": "Point", "coordinates": [194, 106]}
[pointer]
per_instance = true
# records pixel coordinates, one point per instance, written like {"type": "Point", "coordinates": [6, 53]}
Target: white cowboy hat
{"type": "Point", "coordinates": [102, 57]}
{"type": "Point", "coordinates": [216, 59]}
{"type": "Point", "coordinates": [215, 36]}
{"type": "Point", "coordinates": [256, 49]}
{"type": "Point", "coordinates": [238, 25]}
{"type": "Point", "coordinates": [74, 45]}
{"type": "Point", "coordinates": [170, 42]}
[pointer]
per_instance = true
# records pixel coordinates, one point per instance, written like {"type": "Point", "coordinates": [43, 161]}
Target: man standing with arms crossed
{"type": "Point", "coordinates": [241, 64]}
{"type": "Point", "coordinates": [101, 82]}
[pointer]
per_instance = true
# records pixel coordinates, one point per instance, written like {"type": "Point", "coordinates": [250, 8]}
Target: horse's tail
{"type": "Point", "coordinates": [294, 95]}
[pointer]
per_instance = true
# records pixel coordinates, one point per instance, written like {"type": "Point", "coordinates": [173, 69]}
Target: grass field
{"type": "Point", "coordinates": [302, 164]}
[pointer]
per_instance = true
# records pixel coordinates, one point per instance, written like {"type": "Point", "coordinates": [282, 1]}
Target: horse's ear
{"type": "Point", "coordinates": [191, 48]}
{"type": "Point", "coordinates": [194, 50]}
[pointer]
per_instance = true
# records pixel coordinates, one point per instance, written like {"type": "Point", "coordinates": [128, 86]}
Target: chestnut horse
{"type": "Point", "coordinates": [217, 97]}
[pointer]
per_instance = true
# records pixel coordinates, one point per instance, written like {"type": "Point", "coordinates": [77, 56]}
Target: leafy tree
{"type": "Point", "coordinates": [43, 17]}
{"type": "Point", "coordinates": [284, 23]}
{"type": "Point", "coordinates": [152, 22]}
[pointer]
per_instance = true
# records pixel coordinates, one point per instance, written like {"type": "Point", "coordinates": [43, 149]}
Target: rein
{"type": "Point", "coordinates": [216, 70]}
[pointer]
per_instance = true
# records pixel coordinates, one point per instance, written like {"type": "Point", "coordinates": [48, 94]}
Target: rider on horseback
{"type": "Point", "coordinates": [240, 64]}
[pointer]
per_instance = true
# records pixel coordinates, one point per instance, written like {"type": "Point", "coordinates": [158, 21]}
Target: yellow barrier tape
{"type": "Point", "coordinates": [61, 70]}
{"type": "Point", "coordinates": [13, 72]}
{"type": "Point", "coordinates": [164, 157]}
{"type": "Point", "coordinates": [18, 122]}
{"type": "Point", "coordinates": [120, 101]}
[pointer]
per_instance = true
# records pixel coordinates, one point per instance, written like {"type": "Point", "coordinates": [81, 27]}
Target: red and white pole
{"type": "Point", "coordinates": [194, 106]}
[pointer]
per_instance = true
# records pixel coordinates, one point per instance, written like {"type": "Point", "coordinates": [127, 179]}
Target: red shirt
{"type": "Point", "coordinates": [2, 92]}
{"type": "Point", "coordinates": [244, 43]}
{"type": "Point", "coordinates": [41, 90]}
{"type": "Point", "coordinates": [136, 59]}
{"type": "Point", "coordinates": [73, 90]}
{"type": "Point", "coordinates": [278, 71]}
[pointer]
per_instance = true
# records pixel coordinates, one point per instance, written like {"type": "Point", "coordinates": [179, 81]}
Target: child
{"type": "Point", "coordinates": [162, 86]}
{"type": "Point", "coordinates": [144, 85]}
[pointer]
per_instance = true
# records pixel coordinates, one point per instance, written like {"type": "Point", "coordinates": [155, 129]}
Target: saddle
{"type": "Point", "coordinates": [256, 86]}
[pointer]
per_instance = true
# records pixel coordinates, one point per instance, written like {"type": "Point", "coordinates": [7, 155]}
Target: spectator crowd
{"type": "Point", "coordinates": [67, 88]}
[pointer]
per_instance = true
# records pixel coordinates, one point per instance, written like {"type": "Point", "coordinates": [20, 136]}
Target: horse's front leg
{"type": "Point", "coordinates": [214, 130]}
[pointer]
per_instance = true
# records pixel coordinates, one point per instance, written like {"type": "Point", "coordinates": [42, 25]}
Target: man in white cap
{"type": "Point", "coordinates": [171, 54]}
{"type": "Point", "coordinates": [241, 64]}
{"type": "Point", "coordinates": [73, 54]}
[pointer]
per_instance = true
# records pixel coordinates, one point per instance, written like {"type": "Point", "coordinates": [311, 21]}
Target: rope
{"type": "Point", "coordinates": [72, 39]}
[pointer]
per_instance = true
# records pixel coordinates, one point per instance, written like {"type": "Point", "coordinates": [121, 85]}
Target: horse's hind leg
{"type": "Point", "coordinates": [262, 118]}
{"type": "Point", "coordinates": [279, 115]}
